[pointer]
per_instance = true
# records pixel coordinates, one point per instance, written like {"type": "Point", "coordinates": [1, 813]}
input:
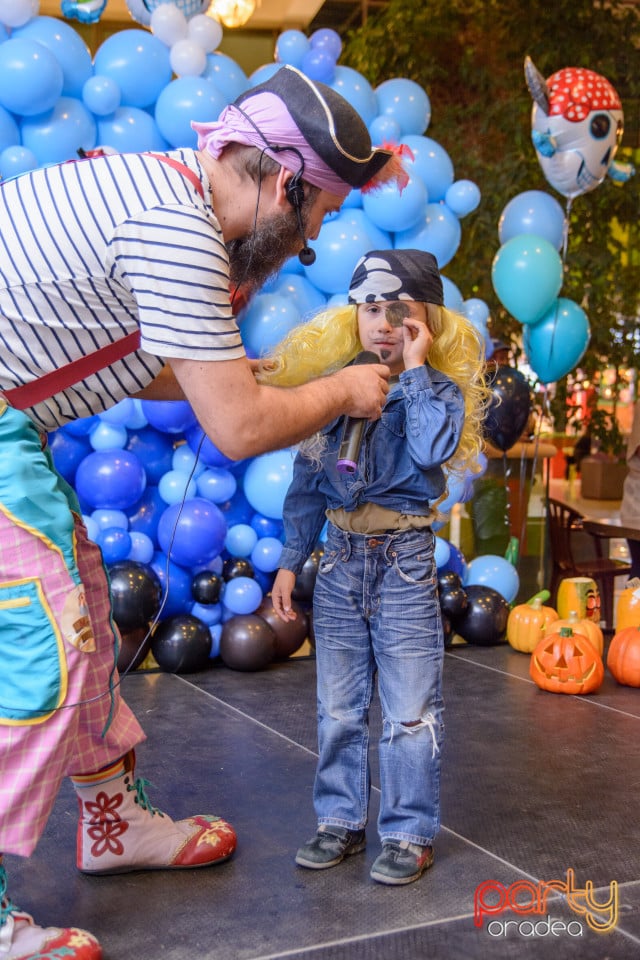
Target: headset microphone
{"type": "Point", "coordinates": [295, 196]}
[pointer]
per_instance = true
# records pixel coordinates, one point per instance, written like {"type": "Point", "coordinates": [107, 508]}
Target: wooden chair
{"type": "Point", "coordinates": [565, 527]}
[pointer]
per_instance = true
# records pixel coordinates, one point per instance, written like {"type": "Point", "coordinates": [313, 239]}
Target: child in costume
{"type": "Point", "coordinates": [375, 603]}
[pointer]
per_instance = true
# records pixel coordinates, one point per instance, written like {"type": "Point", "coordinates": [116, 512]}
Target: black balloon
{"type": "Point", "coordinates": [206, 587]}
{"type": "Point", "coordinates": [306, 579]}
{"type": "Point", "coordinates": [236, 567]}
{"type": "Point", "coordinates": [484, 621]}
{"type": "Point", "coordinates": [447, 628]}
{"type": "Point", "coordinates": [247, 643]}
{"type": "Point", "coordinates": [290, 635]}
{"type": "Point", "coordinates": [509, 407]}
{"type": "Point", "coordinates": [448, 579]}
{"type": "Point", "coordinates": [135, 594]}
{"type": "Point", "coordinates": [453, 601]}
{"type": "Point", "coordinates": [134, 646]}
{"type": "Point", "coordinates": [181, 644]}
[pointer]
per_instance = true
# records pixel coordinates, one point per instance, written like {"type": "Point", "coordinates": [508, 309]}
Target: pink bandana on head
{"type": "Point", "coordinates": [273, 125]}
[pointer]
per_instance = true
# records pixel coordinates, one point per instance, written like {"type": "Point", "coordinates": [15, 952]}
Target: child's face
{"type": "Point", "coordinates": [381, 328]}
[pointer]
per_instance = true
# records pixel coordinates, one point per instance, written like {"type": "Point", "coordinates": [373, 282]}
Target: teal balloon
{"type": "Point", "coordinates": [557, 342]}
{"type": "Point", "coordinates": [527, 276]}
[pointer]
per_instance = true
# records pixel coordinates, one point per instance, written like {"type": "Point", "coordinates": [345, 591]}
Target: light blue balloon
{"type": "Point", "coordinates": [438, 232]}
{"type": "Point", "coordinates": [379, 239]}
{"type": "Point", "coordinates": [455, 486]}
{"type": "Point", "coordinates": [137, 419]}
{"type": "Point", "coordinates": [476, 311]}
{"type": "Point", "coordinates": [462, 197]}
{"type": "Point", "coordinates": [92, 528]}
{"type": "Point", "coordinates": [392, 209]}
{"type": "Point", "coordinates": [265, 555]}
{"type": "Point", "coordinates": [9, 130]}
{"type": "Point", "coordinates": [184, 461]}
{"type": "Point", "coordinates": [431, 163]}
{"type": "Point", "coordinates": [533, 211]}
{"type": "Point", "coordinates": [242, 595]}
{"type": "Point", "coordinates": [108, 436]}
{"type": "Point", "coordinates": [557, 342]}
{"type": "Point", "coordinates": [291, 48]}
{"type": "Point", "coordinates": [320, 65]}
{"type": "Point", "coordinates": [265, 72]}
{"type": "Point", "coordinates": [384, 129]}
{"type": "Point", "coordinates": [267, 480]}
{"type": "Point", "coordinates": [101, 95]}
{"type": "Point", "coordinates": [338, 249]}
{"type": "Point", "coordinates": [240, 540]}
{"type": "Point", "coordinates": [104, 519]}
{"type": "Point", "coordinates": [138, 62]}
{"type": "Point", "coordinates": [15, 160]}
{"type": "Point", "coordinates": [441, 553]}
{"type": "Point", "coordinates": [66, 45]}
{"type": "Point", "coordinates": [327, 39]}
{"type": "Point", "coordinates": [406, 102]}
{"type": "Point", "coordinates": [228, 76]}
{"type": "Point", "coordinates": [493, 571]}
{"type": "Point", "coordinates": [452, 297]}
{"type": "Point", "coordinates": [142, 547]}
{"type": "Point", "coordinates": [265, 321]}
{"type": "Point", "coordinates": [131, 130]}
{"type": "Point", "coordinates": [217, 484]}
{"type": "Point", "coordinates": [306, 298]}
{"type": "Point", "coordinates": [357, 91]}
{"type": "Point", "coordinates": [209, 613]}
{"type": "Point", "coordinates": [183, 100]}
{"type": "Point", "coordinates": [57, 135]}
{"type": "Point", "coordinates": [176, 486]}
{"type": "Point", "coordinates": [216, 636]}
{"type": "Point", "coordinates": [527, 276]}
{"type": "Point", "coordinates": [119, 413]}
{"type": "Point", "coordinates": [32, 78]}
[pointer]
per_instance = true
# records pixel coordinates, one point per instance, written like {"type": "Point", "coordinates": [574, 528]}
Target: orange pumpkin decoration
{"type": "Point", "coordinates": [566, 662]}
{"type": "Point", "coordinates": [588, 629]}
{"type": "Point", "coordinates": [581, 594]}
{"type": "Point", "coordinates": [529, 621]}
{"type": "Point", "coordinates": [628, 608]}
{"type": "Point", "coordinates": [623, 658]}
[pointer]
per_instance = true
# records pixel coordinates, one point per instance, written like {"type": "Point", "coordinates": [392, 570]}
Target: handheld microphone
{"type": "Point", "coordinates": [353, 428]}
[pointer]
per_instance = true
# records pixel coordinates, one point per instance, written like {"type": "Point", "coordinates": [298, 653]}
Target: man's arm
{"type": "Point", "coordinates": [244, 418]}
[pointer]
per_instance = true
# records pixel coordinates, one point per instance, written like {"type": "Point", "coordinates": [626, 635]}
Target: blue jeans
{"type": "Point", "coordinates": [376, 610]}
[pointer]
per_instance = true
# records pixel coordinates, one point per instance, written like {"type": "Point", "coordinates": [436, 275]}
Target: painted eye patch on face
{"type": "Point", "coordinates": [396, 313]}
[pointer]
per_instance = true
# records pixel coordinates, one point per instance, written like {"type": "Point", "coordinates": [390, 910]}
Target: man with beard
{"type": "Point", "coordinates": [114, 281]}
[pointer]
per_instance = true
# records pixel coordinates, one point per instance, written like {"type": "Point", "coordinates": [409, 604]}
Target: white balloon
{"type": "Point", "coordinates": [168, 24]}
{"type": "Point", "coordinates": [205, 31]}
{"type": "Point", "coordinates": [15, 13]}
{"type": "Point", "coordinates": [187, 58]}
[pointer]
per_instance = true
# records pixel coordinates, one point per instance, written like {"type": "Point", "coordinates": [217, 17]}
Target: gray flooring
{"type": "Point", "coordinates": [534, 785]}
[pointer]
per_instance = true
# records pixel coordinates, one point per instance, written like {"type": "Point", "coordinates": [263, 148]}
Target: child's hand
{"type": "Point", "coordinates": [417, 341]}
{"type": "Point", "coordinates": [281, 594]}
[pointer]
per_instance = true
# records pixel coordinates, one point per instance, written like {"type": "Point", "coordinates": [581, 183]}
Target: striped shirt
{"type": "Point", "coordinates": [93, 250]}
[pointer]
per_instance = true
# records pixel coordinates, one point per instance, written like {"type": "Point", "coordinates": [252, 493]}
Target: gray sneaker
{"type": "Point", "coordinates": [401, 862]}
{"type": "Point", "coordinates": [330, 846]}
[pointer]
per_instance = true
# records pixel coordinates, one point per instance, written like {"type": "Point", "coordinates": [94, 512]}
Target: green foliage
{"type": "Point", "coordinates": [469, 56]}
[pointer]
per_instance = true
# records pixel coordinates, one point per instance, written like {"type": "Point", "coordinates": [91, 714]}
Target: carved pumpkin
{"type": "Point", "coordinates": [588, 628]}
{"type": "Point", "coordinates": [623, 658]}
{"type": "Point", "coordinates": [529, 621]}
{"type": "Point", "coordinates": [566, 662]}
{"type": "Point", "coordinates": [581, 594]}
{"type": "Point", "coordinates": [628, 608]}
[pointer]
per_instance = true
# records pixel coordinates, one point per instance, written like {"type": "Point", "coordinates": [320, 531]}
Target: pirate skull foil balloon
{"type": "Point", "coordinates": [576, 128]}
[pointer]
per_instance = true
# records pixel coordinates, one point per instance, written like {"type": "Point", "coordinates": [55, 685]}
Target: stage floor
{"type": "Point", "coordinates": [534, 785]}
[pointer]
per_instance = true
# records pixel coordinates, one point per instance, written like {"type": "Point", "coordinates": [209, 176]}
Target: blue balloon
{"type": "Point", "coordinates": [176, 586]}
{"type": "Point", "coordinates": [192, 532]}
{"type": "Point", "coordinates": [462, 197]}
{"type": "Point", "coordinates": [216, 484]}
{"type": "Point", "coordinates": [438, 232]}
{"type": "Point", "coordinates": [105, 519]}
{"type": "Point", "coordinates": [356, 218]}
{"type": "Point", "coordinates": [229, 78]}
{"type": "Point", "coordinates": [81, 427]}
{"type": "Point", "coordinates": [207, 451]}
{"type": "Point", "coordinates": [263, 73]}
{"type": "Point", "coordinates": [68, 451]}
{"type": "Point", "coordinates": [183, 100]}
{"type": "Point", "coordinates": [216, 637]}
{"type": "Point", "coordinates": [406, 102]}
{"type": "Point", "coordinates": [32, 78]}
{"type": "Point", "coordinates": [237, 510]}
{"type": "Point", "coordinates": [319, 64]}
{"type": "Point", "coordinates": [452, 296]}
{"type": "Point", "coordinates": [115, 544]}
{"type": "Point", "coordinates": [384, 129]}
{"type": "Point", "coordinates": [527, 276]}
{"type": "Point", "coordinates": [101, 95]}
{"type": "Point", "coordinates": [138, 63]}
{"type": "Point", "coordinates": [110, 478]}
{"type": "Point", "coordinates": [266, 526]}
{"type": "Point", "coordinates": [291, 48]}
{"type": "Point", "coordinates": [306, 298]}
{"type": "Point", "coordinates": [66, 45]}
{"type": "Point", "coordinates": [154, 450]}
{"type": "Point", "coordinates": [242, 595]}
{"type": "Point", "coordinates": [431, 163]}
{"type": "Point", "coordinates": [442, 551]}
{"type": "Point", "coordinates": [175, 486]}
{"type": "Point", "coordinates": [357, 91]}
{"type": "Point", "coordinates": [108, 436]}
{"type": "Point", "coordinates": [338, 249]}
{"type": "Point", "coordinates": [58, 134]}
{"type": "Point", "coordinates": [145, 514]}
{"type": "Point", "coordinates": [493, 571]}
{"type": "Point", "coordinates": [328, 40]}
{"type": "Point", "coordinates": [9, 130]}
{"type": "Point", "coordinates": [131, 130]}
{"type": "Point", "coordinates": [265, 555]}
{"type": "Point", "coordinates": [267, 480]}
{"type": "Point", "coordinates": [533, 211]}
{"type": "Point", "coordinates": [240, 540]}
{"type": "Point", "coordinates": [169, 416]}
{"type": "Point", "coordinates": [265, 321]}
{"type": "Point", "coordinates": [556, 343]}
{"type": "Point", "coordinates": [209, 613]}
{"type": "Point", "coordinates": [391, 209]}
{"type": "Point", "coordinates": [142, 547]}
{"type": "Point", "coordinates": [456, 562]}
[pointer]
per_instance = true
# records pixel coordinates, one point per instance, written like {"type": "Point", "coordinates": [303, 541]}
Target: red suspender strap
{"type": "Point", "coordinates": [47, 386]}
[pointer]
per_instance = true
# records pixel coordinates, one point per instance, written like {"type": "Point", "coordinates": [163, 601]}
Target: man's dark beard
{"type": "Point", "coordinates": [256, 257]}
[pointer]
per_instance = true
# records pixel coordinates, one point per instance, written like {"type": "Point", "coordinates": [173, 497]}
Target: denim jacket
{"type": "Point", "coordinates": [399, 466]}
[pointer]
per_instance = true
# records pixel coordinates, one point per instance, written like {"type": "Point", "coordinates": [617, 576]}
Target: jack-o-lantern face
{"type": "Point", "coordinates": [566, 662]}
